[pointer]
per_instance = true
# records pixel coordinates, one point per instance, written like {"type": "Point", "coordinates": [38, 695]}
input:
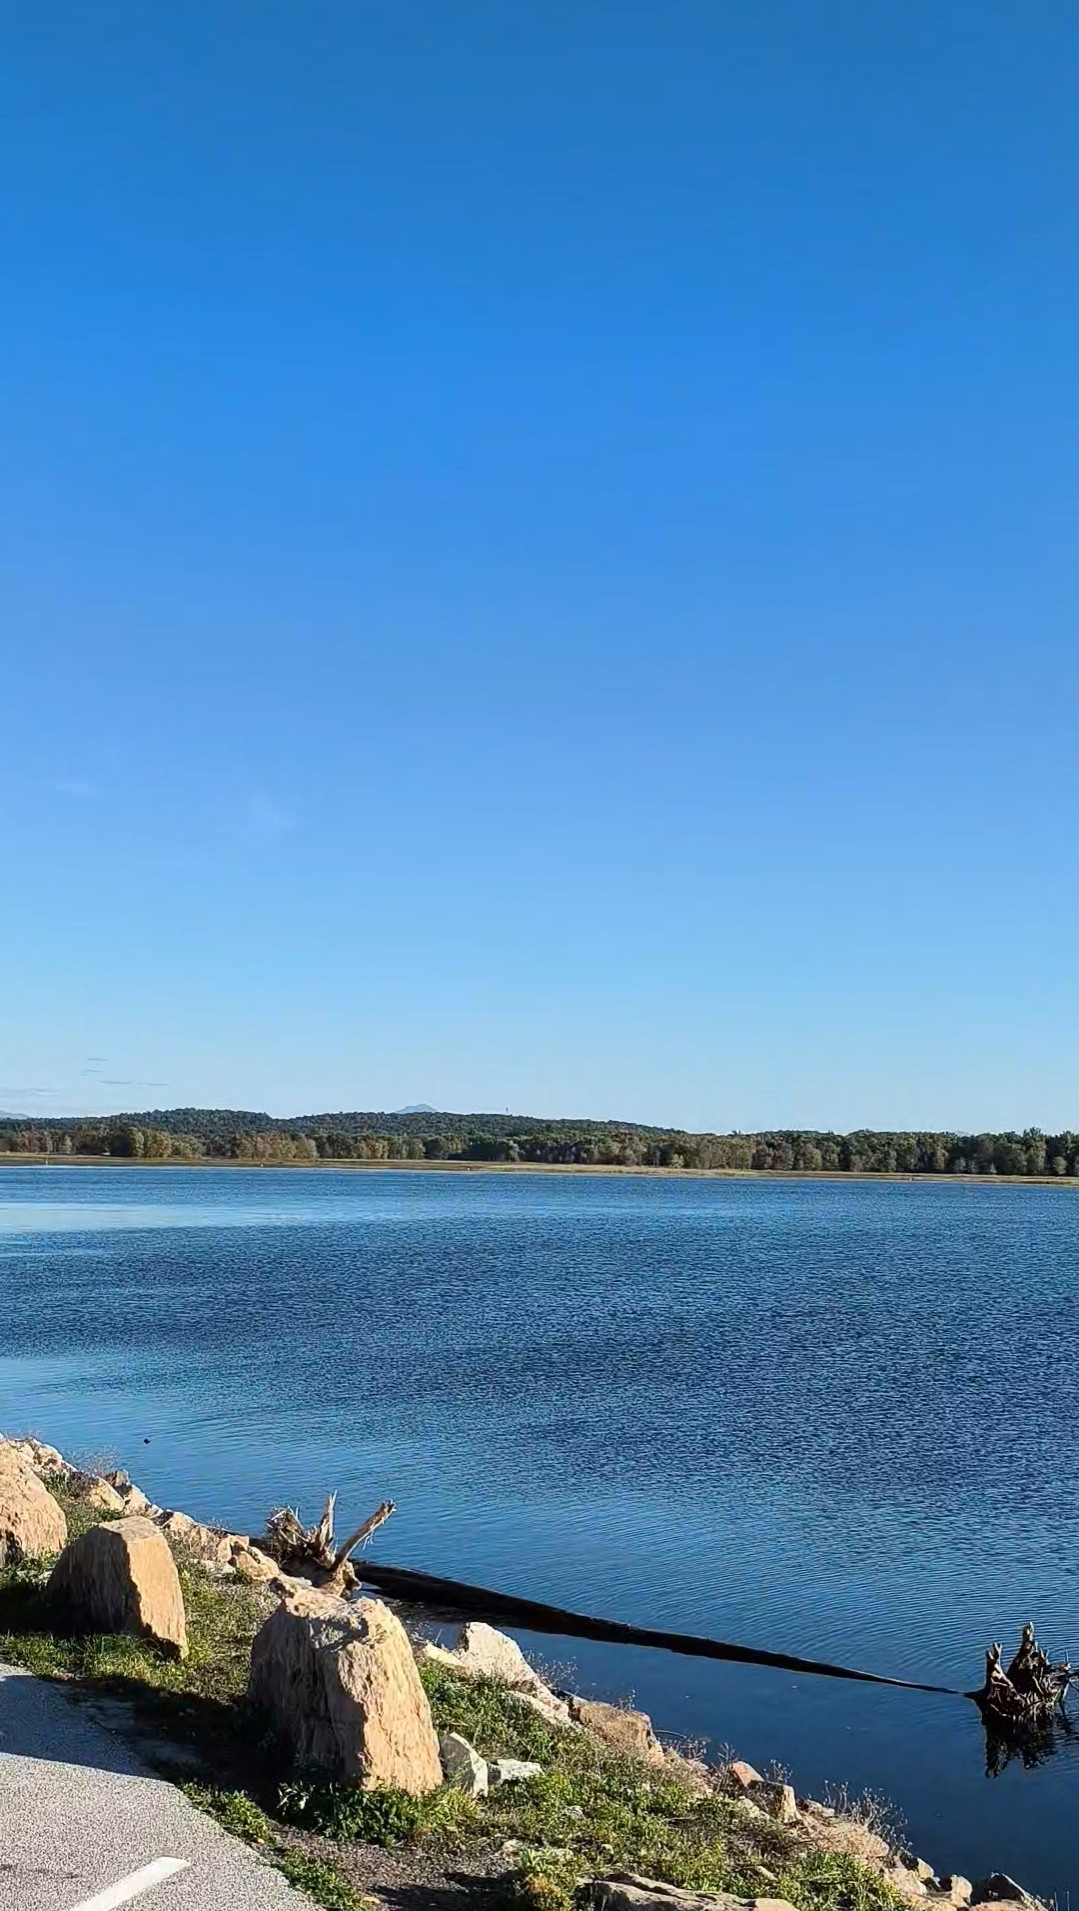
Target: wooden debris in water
{"type": "Point", "coordinates": [309, 1552]}
{"type": "Point", "coordinates": [1026, 1696]}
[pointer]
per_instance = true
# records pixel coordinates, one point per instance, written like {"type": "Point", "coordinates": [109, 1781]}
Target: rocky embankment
{"type": "Point", "coordinates": [341, 1680]}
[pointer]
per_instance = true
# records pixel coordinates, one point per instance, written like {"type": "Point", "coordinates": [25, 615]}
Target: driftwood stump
{"type": "Point", "coordinates": [1023, 1708]}
{"type": "Point", "coordinates": [309, 1552]}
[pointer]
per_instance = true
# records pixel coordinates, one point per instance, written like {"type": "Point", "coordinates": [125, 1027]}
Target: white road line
{"type": "Point", "coordinates": [133, 1885]}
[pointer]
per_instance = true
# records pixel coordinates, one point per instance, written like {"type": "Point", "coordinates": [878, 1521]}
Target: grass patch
{"type": "Point", "coordinates": [384, 1816]}
{"type": "Point", "coordinates": [238, 1814]}
{"type": "Point", "coordinates": [593, 1810]}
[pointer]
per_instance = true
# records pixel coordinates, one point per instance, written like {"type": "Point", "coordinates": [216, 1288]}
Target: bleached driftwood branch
{"type": "Point", "coordinates": [310, 1552]}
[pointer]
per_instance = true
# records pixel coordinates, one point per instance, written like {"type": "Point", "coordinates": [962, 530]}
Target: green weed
{"type": "Point", "coordinates": [238, 1814]}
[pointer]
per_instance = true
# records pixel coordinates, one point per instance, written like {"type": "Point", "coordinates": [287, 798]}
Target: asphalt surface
{"type": "Point", "coordinates": [79, 1813]}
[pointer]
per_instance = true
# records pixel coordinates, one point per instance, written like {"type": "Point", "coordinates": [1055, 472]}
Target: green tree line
{"type": "Point", "coordinates": [193, 1134]}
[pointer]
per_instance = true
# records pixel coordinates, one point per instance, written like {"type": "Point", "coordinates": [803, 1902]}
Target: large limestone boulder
{"type": "Point", "coordinates": [624, 1891]}
{"type": "Point", "coordinates": [32, 1525]}
{"type": "Point", "coordinates": [121, 1577]}
{"type": "Point", "coordinates": [620, 1727]}
{"type": "Point", "coordinates": [338, 1683]}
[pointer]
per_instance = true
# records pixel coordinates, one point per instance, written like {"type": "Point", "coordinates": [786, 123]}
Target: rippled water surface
{"type": "Point", "coordinates": [832, 1420]}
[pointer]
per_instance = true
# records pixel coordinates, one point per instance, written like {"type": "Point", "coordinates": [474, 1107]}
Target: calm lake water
{"type": "Point", "coordinates": [838, 1421]}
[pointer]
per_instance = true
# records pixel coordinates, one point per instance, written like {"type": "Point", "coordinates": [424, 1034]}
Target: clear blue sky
{"type": "Point", "coordinates": [538, 558]}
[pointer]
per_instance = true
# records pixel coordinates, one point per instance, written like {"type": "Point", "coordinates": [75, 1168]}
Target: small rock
{"type": "Point", "coordinates": [253, 1566]}
{"type": "Point", "coordinates": [624, 1891]}
{"type": "Point", "coordinates": [481, 1652]}
{"type": "Point", "coordinates": [118, 1478]}
{"type": "Point", "coordinates": [813, 1808]}
{"type": "Point", "coordinates": [135, 1501]}
{"type": "Point", "coordinates": [691, 1772]}
{"type": "Point", "coordinates": [120, 1577]}
{"type": "Point", "coordinates": [777, 1800]}
{"type": "Point", "coordinates": [427, 1653]}
{"type": "Point", "coordinates": [902, 1879]}
{"type": "Point", "coordinates": [551, 1709]}
{"type": "Point", "coordinates": [511, 1771]}
{"type": "Point", "coordinates": [212, 1548]}
{"type": "Point", "coordinates": [738, 1776]}
{"type": "Point", "coordinates": [32, 1524]}
{"type": "Point", "coordinates": [618, 1726]}
{"type": "Point", "coordinates": [998, 1888]}
{"type": "Point", "coordinates": [476, 1651]}
{"type": "Point", "coordinates": [93, 1490]}
{"type": "Point", "coordinates": [462, 1766]}
{"type": "Point", "coordinates": [922, 1870]}
{"type": "Point", "coordinates": [958, 1890]}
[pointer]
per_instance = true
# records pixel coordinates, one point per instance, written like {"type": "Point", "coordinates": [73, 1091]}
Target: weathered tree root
{"type": "Point", "coordinates": [308, 1552]}
{"type": "Point", "coordinates": [1022, 1702]}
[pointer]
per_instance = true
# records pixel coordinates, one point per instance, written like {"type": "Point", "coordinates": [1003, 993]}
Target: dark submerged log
{"type": "Point", "coordinates": [455, 1597]}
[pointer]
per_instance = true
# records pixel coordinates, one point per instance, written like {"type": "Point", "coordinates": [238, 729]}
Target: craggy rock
{"type": "Point", "coordinates": [481, 1652]}
{"type": "Point", "coordinates": [957, 1890]}
{"type": "Point", "coordinates": [510, 1771]}
{"type": "Point", "coordinates": [339, 1685]}
{"type": "Point", "coordinates": [776, 1799]}
{"type": "Point", "coordinates": [552, 1709]}
{"type": "Point", "coordinates": [476, 1651]}
{"type": "Point", "coordinates": [462, 1765]}
{"type": "Point", "coordinates": [616, 1725]}
{"type": "Point", "coordinates": [623, 1891]}
{"type": "Point", "coordinates": [121, 1577]}
{"type": "Point", "coordinates": [252, 1566]}
{"type": "Point", "coordinates": [998, 1888]}
{"type": "Point", "coordinates": [906, 1882]}
{"type": "Point", "coordinates": [42, 1460]}
{"type": "Point", "coordinates": [212, 1548]}
{"type": "Point", "coordinates": [94, 1491]}
{"type": "Point", "coordinates": [32, 1525]}
{"type": "Point", "coordinates": [740, 1777]}
{"type": "Point", "coordinates": [135, 1501]}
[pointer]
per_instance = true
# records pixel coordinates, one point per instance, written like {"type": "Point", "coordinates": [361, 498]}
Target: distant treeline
{"type": "Point", "coordinates": [195, 1134]}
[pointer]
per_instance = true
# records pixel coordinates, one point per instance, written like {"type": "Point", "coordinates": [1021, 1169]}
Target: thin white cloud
{"type": "Point", "coordinates": [125, 1081]}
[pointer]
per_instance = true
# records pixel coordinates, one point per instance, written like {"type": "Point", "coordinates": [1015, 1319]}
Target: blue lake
{"type": "Point", "coordinates": [832, 1420]}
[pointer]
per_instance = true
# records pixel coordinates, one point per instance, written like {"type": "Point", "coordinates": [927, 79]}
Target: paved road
{"type": "Point", "coordinates": [79, 1814]}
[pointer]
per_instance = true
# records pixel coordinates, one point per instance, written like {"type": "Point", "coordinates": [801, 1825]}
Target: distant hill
{"type": "Point", "coordinates": [417, 1108]}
